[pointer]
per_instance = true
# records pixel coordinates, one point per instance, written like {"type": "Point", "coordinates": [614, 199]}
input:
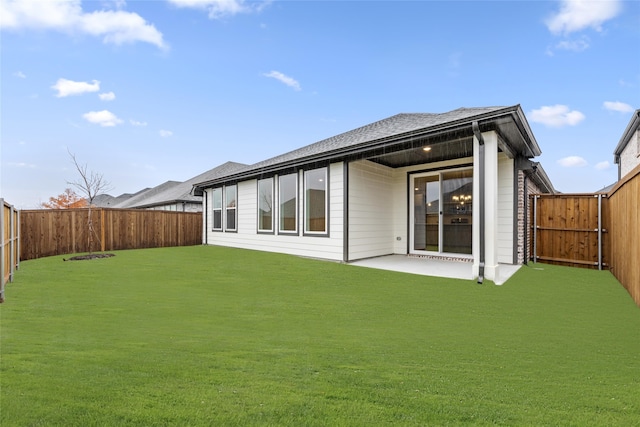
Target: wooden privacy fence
{"type": "Point", "coordinates": [624, 202]}
{"type": "Point", "coordinates": [591, 230]}
{"type": "Point", "coordinates": [570, 229]}
{"type": "Point", "coordinates": [65, 231]}
{"type": "Point", "coordinates": [9, 244]}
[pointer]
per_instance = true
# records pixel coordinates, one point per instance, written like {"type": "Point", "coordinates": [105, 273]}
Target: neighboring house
{"type": "Point", "coordinates": [410, 184]}
{"type": "Point", "coordinates": [627, 153]}
{"type": "Point", "coordinates": [172, 195]}
{"type": "Point", "coordinates": [107, 201]}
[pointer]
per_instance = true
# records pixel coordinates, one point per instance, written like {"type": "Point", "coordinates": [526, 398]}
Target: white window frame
{"type": "Point", "coordinates": [270, 182]}
{"type": "Point", "coordinates": [214, 209]}
{"type": "Point", "coordinates": [295, 177]}
{"type": "Point", "coordinates": [306, 200]}
{"type": "Point", "coordinates": [233, 208]}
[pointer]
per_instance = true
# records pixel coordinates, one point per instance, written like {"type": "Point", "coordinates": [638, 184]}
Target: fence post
{"type": "Point", "coordinates": [12, 247]}
{"type": "Point", "coordinates": [2, 250]}
{"type": "Point", "coordinates": [102, 240]}
{"type": "Point", "coordinates": [73, 232]}
{"type": "Point", "coordinates": [599, 231]}
{"type": "Point", "coordinates": [19, 239]}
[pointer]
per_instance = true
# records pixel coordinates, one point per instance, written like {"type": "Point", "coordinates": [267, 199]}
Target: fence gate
{"type": "Point", "coordinates": [570, 229]}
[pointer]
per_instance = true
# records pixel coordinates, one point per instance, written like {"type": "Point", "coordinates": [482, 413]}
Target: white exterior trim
{"type": "Point", "coordinates": [491, 266]}
{"type": "Point", "coordinates": [505, 209]}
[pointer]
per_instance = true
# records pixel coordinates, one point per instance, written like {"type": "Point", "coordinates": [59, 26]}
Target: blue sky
{"type": "Point", "coordinates": [149, 91]}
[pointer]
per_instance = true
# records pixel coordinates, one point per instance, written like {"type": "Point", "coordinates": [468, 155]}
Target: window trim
{"type": "Point", "coordinates": [325, 232]}
{"type": "Point", "coordinates": [227, 209]}
{"type": "Point", "coordinates": [270, 230]}
{"type": "Point", "coordinates": [214, 209]}
{"type": "Point", "coordinates": [296, 180]}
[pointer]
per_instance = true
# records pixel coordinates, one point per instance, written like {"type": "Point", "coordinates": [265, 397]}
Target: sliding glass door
{"type": "Point", "coordinates": [441, 212]}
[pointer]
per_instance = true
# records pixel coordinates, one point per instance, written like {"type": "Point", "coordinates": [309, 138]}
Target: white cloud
{"type": "Point", "coordinates": [578, 45]}
{"type": "Point", "coordinates": [289, 81]}
{"type": "Point", "coordinates": [107, 96]}
{"type": "Point", "coordinates": [119, 4]}
{"type": "Point", "coordinates": [115, 26]}
{"type": "Point", "coordinates": [221, 8]}
{"type": "Point", "coordinates": [137, 123]}
{"type": "Point", "coordinates": [625, 83]}
{"type": "Point", "coordinates": [20, 74]}
{"type": "Point", "coordinates": [119, 27]}
{"type": "Point", "coordinates": [572, 162]}
{"type": "Point", "coordinates": [556, 116]}
{"type": "Point", "coordinates": [165, 133]}
{"type": "Point", "coordinates": [69, 87]}
{"type": "Point", "coordinates": [576, 15]}
{"type": "Point", "coordinates": [618, 106]}
{"type": "Point", "coordinates": [22, 165]}
{"type": "Point", "coordinates": [103, 118]}
{"type": "Point", "coordinates": [602, 165]}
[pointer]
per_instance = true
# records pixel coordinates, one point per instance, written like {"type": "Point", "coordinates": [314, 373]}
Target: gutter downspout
{"type": "Point", "coordinates": [345, 211]}
{"type": "Point", "coordinates": [205, 213]}
{"type": "Point", "coordinates": [478, 135]}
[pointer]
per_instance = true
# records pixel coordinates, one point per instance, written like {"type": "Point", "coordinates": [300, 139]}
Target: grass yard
{"type": "Point", "coordinates": [217, 336]}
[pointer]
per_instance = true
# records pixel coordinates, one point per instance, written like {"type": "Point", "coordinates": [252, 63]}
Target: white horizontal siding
{"type": "Point", "coordinates": [400, 205]}
{"type": "Point", "coordinates": [336, 204]}
{"type": "Point", "coordinates": [370, 210]}
{"type": "Point", "coordinates": [505, 209]}
{"type": "Point", "coordinates": [247, 236]}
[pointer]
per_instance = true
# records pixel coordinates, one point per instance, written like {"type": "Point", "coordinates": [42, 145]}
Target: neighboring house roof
{"type": "Point", "coordinates": [607, 188]}
{"type": "Point", "coordinates": [175, 192]}
{"type": "Point", "coordinates": [631, 129]}
{"type": "Point", "coordinates": [147, 197]}
{"type": "Point", "coordinates": [405, 128]}
{"type": "Point", "coordinates": [107, 201]}
{"type": "Point", "coordinates": [539, 176]}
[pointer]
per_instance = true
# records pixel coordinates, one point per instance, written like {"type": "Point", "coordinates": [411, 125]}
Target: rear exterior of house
{"type": "Point", "coordinates": [425, 185]}
{"type": "Point", "coordinates": [627, 152]}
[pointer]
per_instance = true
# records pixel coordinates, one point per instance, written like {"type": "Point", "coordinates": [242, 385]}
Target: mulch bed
{"type": "Point", "coordinates": [90, 256]}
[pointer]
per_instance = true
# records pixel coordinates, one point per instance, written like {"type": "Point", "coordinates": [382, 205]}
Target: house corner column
{"type": "Point", "coordinates": [490, 206]}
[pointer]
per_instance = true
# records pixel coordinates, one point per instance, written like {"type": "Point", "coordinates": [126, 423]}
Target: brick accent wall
{"type": "Point", "coordinates": [521, 239]}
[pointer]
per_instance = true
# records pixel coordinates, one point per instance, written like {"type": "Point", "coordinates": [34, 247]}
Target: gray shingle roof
{"type": "Point", "coordinates": [144, 198]}
{"type": "Point", "coordinates": [176, 192]}
{"type": "Point", "coordinates": [393, 128]}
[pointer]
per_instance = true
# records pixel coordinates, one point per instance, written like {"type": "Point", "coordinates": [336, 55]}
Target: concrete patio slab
{"type": "Point", "coordinates": [432, 267]}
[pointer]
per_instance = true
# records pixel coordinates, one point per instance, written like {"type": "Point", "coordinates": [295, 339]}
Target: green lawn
{"type": "Point", "coordinates": [217, 336]}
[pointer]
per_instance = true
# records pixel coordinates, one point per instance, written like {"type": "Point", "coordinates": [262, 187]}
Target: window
{"type": "Point", "coordinates": [216, 202]}
{"type": "Point", "coordinates": [315, 197]}
{"type": "Point", "coordinates": [230, 198]}
{"type": "Point", "coordinates": [288, 203]}
{"type": "Point", "coordinates": [265, 205]}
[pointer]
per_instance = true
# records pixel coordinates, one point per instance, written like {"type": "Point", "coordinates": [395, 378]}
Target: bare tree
{"type": "Point", "coordinates": [90, 185]}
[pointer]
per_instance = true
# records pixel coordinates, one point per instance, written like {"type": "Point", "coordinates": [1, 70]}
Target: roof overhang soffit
{"type": "Point", "coordinates": [515, 139]}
